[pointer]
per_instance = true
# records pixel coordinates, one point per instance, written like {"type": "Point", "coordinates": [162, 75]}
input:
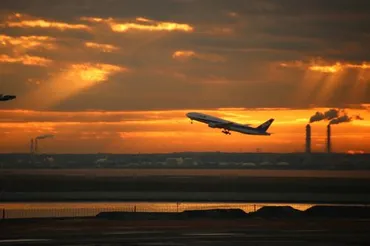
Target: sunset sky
{"type": "Point", "coordinates": [119, 76]}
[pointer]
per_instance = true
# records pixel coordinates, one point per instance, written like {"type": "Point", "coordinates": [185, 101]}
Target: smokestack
{"type": "Point", "coordinates": [31, 146]}
{"type": "Point", "coordinates": [308, 138]}
{"type": "Point", "coordinates": [36, 146]}
{"type": "Point", "coordinates": [328, 140]}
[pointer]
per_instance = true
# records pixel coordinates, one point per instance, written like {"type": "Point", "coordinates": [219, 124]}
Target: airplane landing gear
{"type": "Point", "coordinates": [191, 122]}
{"type": "Point", "coordinates": [226, 132]}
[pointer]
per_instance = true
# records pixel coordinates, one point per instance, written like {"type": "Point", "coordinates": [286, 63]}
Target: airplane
{"type": "Point", "coordinates": [228, 126]}
{"type": "Point", "coordinates": [7, 97]}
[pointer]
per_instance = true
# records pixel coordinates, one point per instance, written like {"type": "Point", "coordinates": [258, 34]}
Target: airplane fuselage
{"type": "Point", "coordinates": [215, 122]}
{"type": "Point", "coordinates": [7, 97]}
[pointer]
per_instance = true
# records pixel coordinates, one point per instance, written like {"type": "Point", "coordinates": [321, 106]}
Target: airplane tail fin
{"type": "Point", "coordinates": [265, 126]}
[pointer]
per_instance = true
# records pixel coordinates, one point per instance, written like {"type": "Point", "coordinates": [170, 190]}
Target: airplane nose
{"type": "Point", "coordinates": [189, 115]}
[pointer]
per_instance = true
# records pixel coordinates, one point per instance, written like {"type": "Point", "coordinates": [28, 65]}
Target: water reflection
{"type": "Point", "coordinates": [86, 209]}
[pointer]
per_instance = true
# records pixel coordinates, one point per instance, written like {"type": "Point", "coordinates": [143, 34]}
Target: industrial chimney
{"type": "Point", "coordinates": [328, 139]}
{"type": "Point", "coordinates": [308, 139]}
{"type": "Point", "coordinates": [31, 146]}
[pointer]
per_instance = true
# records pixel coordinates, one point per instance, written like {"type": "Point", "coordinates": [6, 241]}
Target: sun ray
{"type": "Point", "coordinates": [68, 82]}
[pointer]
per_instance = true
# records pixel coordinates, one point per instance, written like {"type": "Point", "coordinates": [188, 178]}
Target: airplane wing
{"type": "Point", "coordinates": [220, 125]}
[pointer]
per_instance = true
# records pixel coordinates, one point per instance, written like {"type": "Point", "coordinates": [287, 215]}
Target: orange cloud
{"type": "Point", "coordinates": [283, 116]}
{"type": "Point", "coordinates": [319, 65]}
{"type": "Point", "coordinates": [142, 24]}
{"type": "Point", "coordinates": [327, 69]}
{"type": "Point", "coordinates": [71, 80]}
{"type": "Point", "coordinates": [102, 47]}
{"type": "Point", "coordinates": [26, 60]}
{"type": "Point", "coordinates": [328, 76]}
{"type": "Point", "coordinates": [184, 55]}
{"type": "Point", "coordinates": [141, 19]}
{"type": "Point", "coordinates": [27, 42]}
{"type": "Point", "coordinates": [93, 72]}
{"type": "Point", "coordinates": [338, 67]}
{"type": "Point", "coordinates": [359, 66]}
{"type": "Point", "coordinates": [26, 21]}
{"type": "Point", "coordinates": [146, 117]}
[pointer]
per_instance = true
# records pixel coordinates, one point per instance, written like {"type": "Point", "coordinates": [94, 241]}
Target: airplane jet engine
{"type": "Point", "coordinates": [212, 125]}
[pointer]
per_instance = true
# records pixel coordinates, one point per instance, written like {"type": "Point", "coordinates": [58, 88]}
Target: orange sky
{"type": "Point", "coordinates": [168, 131]}
{"type": "Point", "coordinates": [120, 77]}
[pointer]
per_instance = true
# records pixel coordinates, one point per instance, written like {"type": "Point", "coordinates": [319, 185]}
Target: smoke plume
{"type": "Point", "coordinates": [328, 115]}
{"type": "Point", "coordinates": [45, 136]}
{"type": "Point", "coordinates": [341, 119]}
{"type": "Point", "coordinates": [345, 118]}
{"type": "Point", "coordinates": [334, 116]}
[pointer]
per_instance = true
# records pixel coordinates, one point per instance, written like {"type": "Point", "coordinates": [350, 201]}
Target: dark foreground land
{"type": "Point", "coordinates": [254, 231]}
{"type": "Point", "coordinates": [319, 225]}
{"type": "Point", "coordinates": [186, 185]}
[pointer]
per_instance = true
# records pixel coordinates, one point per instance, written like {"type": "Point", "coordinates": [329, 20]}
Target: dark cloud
{"type": "Point", "coordinates": [252, 37]}
{"type": "Point", "coordinates": [71, 10]}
